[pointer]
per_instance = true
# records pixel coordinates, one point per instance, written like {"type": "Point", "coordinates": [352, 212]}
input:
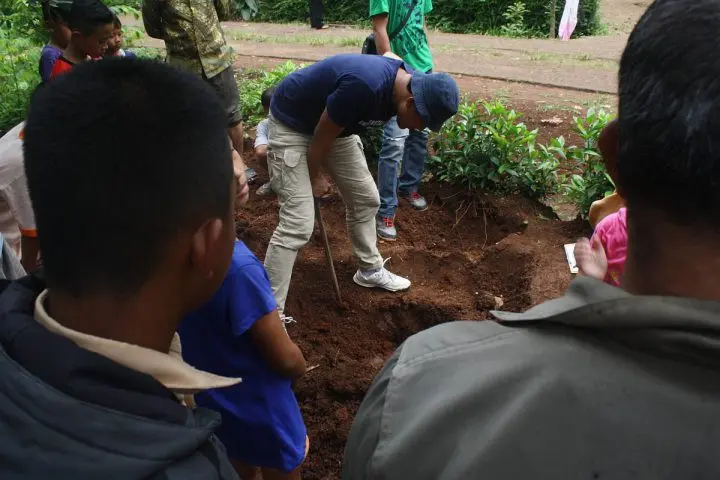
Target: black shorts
{"type": "Point", "coordinates": [225, 86]}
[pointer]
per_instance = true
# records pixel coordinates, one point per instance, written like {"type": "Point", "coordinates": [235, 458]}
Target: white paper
{"type": "Point", "coordinates": [570, 255]}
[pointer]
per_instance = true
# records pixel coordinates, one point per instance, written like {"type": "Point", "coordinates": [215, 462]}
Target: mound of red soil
{"type": "Point", "coordinates": [461, 255]}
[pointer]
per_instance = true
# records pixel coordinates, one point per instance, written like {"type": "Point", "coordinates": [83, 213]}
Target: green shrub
{"type": "Point", "coordinates": [20, 76]}
{"type": "Point", "coordinates": [463, 16]}
{"type": "Point", "coordinates": [253, 83]}
{"type": "Point", "coordinates": [515, 21]}
{"type": "Point", "coordinates": [483, 16]}
{"type": "Point", "coordinates": [593, 183]}
{"type": "Point", "coordinates": [485, 147]}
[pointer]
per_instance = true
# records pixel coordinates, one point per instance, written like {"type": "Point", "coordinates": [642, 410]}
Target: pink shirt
{"type": "Point", "coordinates": [612, 232]}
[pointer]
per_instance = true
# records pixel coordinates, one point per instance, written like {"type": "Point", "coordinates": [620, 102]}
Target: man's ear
{"type": "Point", "coordinates": [205, 241]}
{"type": "Point", "coordinates": [609, 145]}
{"type": "Point", "coordinates": [410, 103]}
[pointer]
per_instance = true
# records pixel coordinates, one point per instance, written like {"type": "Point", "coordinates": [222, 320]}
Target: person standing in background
{"type": "Point", "coordinates": [195, 42]}
{"type": "Point", "coordinates": [317, 9]}
{"type": "Point", "coordinates": [401, 146]}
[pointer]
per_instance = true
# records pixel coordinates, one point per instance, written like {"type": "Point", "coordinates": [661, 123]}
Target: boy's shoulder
{"type": "Point", "coordinates": [242, 259]}
{"type": "Point", "coordinates": [615, 223]}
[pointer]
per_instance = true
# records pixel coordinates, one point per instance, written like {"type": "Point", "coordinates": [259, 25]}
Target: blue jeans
{"type": "Point", "coordinates": [407, 150]}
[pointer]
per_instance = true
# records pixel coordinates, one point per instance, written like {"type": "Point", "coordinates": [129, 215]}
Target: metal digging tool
{"type": "Point", "coordinates": [328, 253]}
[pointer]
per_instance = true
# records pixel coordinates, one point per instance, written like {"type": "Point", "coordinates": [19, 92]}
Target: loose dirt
{"type": "Point", "coordinates": [460, 254]}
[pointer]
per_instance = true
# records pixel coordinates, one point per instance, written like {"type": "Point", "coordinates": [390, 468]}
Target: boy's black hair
{"type": "Point", "coordinates": [266, 96]}
{"type": "Point", "coordinates": [121, 155]}
{"type": "Point", "coordinates": [116, 21]}
{"type": "Point", "coordinates": [86, 16]}
{"type": "Point", "coordinates": [49, 13]}
{"type": "Point", "coordinates": [669, 115]}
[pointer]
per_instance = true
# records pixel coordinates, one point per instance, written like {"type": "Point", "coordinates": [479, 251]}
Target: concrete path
{"type": "Point", "coordinates": [585, 64]}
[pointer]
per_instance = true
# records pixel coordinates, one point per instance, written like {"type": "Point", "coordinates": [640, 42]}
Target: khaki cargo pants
{"type": "Point", "coordinates": [290, 178]}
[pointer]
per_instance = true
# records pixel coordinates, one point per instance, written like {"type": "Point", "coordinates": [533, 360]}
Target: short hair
{"type": "Point", "coordinates": [266, 97]}
{"type": "Point", "coordinates": [50, 14]}
{"type": "Point", "coordinates": [86, 16]}
{"type": "Point", "coordinates": [116, 21]}
{"type": "Point", "coordinates": [121, 156]}
{"type": "Point", "coordinates": [669, 115]}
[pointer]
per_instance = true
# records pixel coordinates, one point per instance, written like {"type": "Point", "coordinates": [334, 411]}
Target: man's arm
{"type": "Point", "coordinates": [382, 39]}
{"type": "Point", "coordinates": [152, 19]}
{"type": "Point", "coordinates": [326, 132]}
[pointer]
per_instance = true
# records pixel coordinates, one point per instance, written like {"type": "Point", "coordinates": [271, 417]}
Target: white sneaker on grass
{"type": "Point", "coordinates": [381, 278]}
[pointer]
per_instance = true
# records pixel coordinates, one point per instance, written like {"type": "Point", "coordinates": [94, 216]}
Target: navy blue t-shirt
{"type": "Point", "coordinates": [356, 89]}
{"type": "Point", "coordinates": [261, 420]}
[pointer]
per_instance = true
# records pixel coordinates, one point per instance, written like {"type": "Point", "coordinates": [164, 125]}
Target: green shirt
{"type": "Point", "coordinates": [411, 43]}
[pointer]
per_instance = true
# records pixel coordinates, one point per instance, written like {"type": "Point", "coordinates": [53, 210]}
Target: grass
{"type": "Point", "coordinates": [581, 60]}
{"type": "Point", "coordinates": [577, 105]}
{"type": "Point", "coordinates": [312, 40]}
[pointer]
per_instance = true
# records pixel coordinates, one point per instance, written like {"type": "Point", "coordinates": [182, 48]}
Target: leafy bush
{"type": "Point", "coordinates": [485, 147]}
{"type": "Point", "coordinates": [594, 182]}
{"type": "Point", "coordinates": [515, 21]}
{"type": "Point", "coordinates": [247, 8]}
{"type": "Point", "coordinates": [19, 71]}
{"type": "Point", "coordinates": [21, 37]}
{"type": "Point", "coordinates": [254, 83]}
{"type": "Point", "coordinates": [463, 16]}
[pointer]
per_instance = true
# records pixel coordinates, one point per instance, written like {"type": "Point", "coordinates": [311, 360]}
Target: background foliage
{"type": "Point", "coordinates": [463, 16]}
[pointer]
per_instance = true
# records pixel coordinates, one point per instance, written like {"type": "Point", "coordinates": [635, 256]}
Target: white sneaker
{"type": "Point", "coordinates": [381, 278]}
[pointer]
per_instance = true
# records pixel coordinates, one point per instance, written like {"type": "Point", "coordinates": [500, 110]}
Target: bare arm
{"type": "Point", "coordinates": [152, 19]}
{"type": "Point", "coordinates": [382, 39]}
{"type": "Point", "coordinates": [281, 353]}
{"type": "Point", "coordinates": [326, 132]}
{"type": "Point", "coordinates": [261, 153]}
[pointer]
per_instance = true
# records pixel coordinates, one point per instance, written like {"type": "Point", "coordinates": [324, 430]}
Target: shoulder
{"type": "Point", "coordinates": [611, 223]}
{"type": "Point", "coordinates": [245, 267]}
{"type": "Point", "coordinates": [50, 52]}
{"type": "Point", "coordinates": [453, 339]}
{"type": "Point", "coordinates": [11, 154]}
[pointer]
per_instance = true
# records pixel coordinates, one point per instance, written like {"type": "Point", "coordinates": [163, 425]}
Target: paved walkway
{"type": "Point", "coordinates": [586, 64]}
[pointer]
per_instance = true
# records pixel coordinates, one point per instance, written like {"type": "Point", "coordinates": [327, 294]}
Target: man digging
{"type": "Point", "coordinates": [314, 117]}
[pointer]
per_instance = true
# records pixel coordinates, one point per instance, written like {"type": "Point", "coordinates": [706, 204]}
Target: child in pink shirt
{"type": "Point", "coordinates": [603, 256]}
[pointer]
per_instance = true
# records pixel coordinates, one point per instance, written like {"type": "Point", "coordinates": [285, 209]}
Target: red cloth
{"type": "Point", "coordinates": [62, 65]}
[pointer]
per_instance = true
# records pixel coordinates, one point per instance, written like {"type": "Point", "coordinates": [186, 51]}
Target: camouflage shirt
{"type": "Point", "coordinates": [192, 33]}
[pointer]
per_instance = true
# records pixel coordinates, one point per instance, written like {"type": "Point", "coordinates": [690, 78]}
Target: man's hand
{"type": "Point", "coordinates": [320, 186]}
{"type": "Point", "coordinates": [243, 191]}
{"type": "Point", "coordinates": [326, 132]}
{"type": "Point", "coordinates": [591, 258]}
{"type": "Point", "coordinates": [391, 55]}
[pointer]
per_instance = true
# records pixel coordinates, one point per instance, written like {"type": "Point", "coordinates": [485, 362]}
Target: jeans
{"type": "Point", "coordinates": [407, 150]}
{"type": "Point", "coordinates": [346, 164]}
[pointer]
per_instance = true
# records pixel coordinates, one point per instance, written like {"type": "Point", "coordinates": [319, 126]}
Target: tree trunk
{"type": "Point", "coordinates": [553, 19]}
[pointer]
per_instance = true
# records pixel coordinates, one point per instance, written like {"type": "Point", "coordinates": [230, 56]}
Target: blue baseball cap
{"type": "Point", "coordinates": [436, 97]}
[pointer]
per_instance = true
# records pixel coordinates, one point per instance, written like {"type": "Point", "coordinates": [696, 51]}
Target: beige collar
{"type": "Point", "coordinates": [168, 369]}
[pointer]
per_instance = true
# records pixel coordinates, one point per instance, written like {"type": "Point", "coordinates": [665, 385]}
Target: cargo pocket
{"type": "Point", "coordinates": [287, 171]}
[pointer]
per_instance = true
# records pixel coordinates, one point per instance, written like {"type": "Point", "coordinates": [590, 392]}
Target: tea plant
{"type": "Point", "coordinates": [486, 147]}
{"type": "Point", "coordinates": [593, 183]}
{"type": "Point", "coordinates": [252, 86]}
{"type": "Point", "coordinates": [515, 21]}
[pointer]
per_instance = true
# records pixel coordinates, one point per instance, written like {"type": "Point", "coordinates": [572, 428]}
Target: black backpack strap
{"type": "Point", "coordinates": [399, 28]}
